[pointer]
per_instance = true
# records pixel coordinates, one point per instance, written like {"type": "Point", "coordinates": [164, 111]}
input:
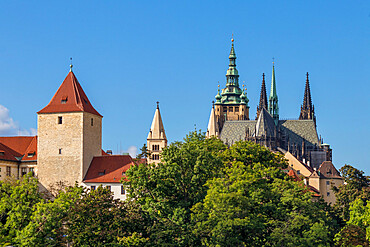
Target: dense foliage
{"type": "Point", "coordinates": [203, 193]}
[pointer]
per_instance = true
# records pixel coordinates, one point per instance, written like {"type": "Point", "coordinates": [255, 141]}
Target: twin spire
{"type": "Point", "coordinates": [307, 108]}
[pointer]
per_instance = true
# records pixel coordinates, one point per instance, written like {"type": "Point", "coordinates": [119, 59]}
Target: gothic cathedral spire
{"type": "Point", "coordinates": [273, 100]}
{"type": "Point", "coordinates": [307, 108]}
{"type": "Point", "coordinates": [263, 97]}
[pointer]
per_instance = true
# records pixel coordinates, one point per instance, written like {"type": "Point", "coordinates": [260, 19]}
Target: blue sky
{"type": "Point", "coordinates": [129, 54]}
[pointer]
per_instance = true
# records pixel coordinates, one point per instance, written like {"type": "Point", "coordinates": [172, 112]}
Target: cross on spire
{"type": "Point", "coordinates": [157, 104]}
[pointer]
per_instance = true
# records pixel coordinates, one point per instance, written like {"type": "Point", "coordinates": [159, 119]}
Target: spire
{"type": "Point", "coordinates": [212, 129]}
{"type": "Point", "coordinates": [273, 100]}
{"type": "Point", "coordinates": [70, 97]}
{"type": "Point", "coordinates": [232, 75]}
{"type": "Point", "coordinates": [307, 109]}
{"type": "Point", "coordinates": [157, 129]}
{"type": "Point", "coordinates": [263, 97]}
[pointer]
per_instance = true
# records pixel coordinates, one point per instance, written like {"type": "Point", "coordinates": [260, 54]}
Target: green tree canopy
{"type": "Point", "coordinates": [168, 190]}
{"type": "Point", "coordinates": [257, 204]}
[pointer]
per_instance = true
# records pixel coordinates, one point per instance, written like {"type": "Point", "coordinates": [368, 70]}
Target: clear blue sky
{"type": "Point", "coordinates": [129, 54]}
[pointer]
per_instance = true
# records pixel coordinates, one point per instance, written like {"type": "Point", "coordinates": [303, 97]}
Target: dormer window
{"type": "Point", "coordinates": [2, 153]}
{"type": "Point", "coordinates": [31, 154]}
{"type": "Point", "coordinates": [101, 173]}
{"type": "Point", "coordinates": [64, 99]}
{"type": "Point", "coordinates": [85, 101]}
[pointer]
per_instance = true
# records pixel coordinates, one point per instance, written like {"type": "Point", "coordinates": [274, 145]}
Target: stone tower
{"type": "Point", "coordinates": [157, 139]}
{"type": "Point", "coordinates": [232, 103]}
{"type": "Point", "coordinates": [273, 100]}
{"type": "Point", "coordinates": [263, 97]}
{"type": "Point", "coordinates": [69, 135]}
{"type": "Point", "coordinates": [307, 109]}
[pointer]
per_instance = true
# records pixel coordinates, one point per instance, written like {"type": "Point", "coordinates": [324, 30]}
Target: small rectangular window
{"type": "Point", "coordinates": [108, 187]}
{"type": "Point", "coordinates": [2, 153]}
{"type": "Point", "coordinates": [298, 172]}
{"type": "Point", "coordinates": [123, 191]}
{"type": "Point", "coordinates": [32, 170]}
{"type": "Point", "coordinates": [64, 99]}
{"type": "Point", "coordinates": [236, 108]}
{"type": "Point", "coordinates": [327, 182]}
{"type": "Point", "coordinates": [60, 151]}
{"type": "Point", "coordinates": [24, 171]}
{"type": "Point", "coordinates": [60, 120]}
{"type": "Point", "coordinates": [231, 109]}
{"type": "Point", "coordinates": [92, 122]}
{"type": "Point", "coordinates": [92, 187]}
{"type": "Point", "coordinates": [8, 171]}
{"type": "Point", "coordinates": [328, 193]}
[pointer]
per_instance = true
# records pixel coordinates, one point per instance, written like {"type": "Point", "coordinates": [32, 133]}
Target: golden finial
{"type": "Point", "coordinates": [71, 65]}
{"type": "Point", "coordinates": [232, 37]}
{"type": "Point", "coordinates": [273, 61]}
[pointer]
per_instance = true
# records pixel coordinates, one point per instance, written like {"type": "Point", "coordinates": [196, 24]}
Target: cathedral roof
{"type": "Point", "coordinates": [265, 125]}
{"type": "Point", "coordinates": [108, 168]}
{"type": "Point", "coordinates": [296, 131]}
{"type": "Point", "coordinates": [70, 97]}
{"type": "Point", "coordinates": [18, 148]}
{"type": "Point", "coordinates": [300, 130]}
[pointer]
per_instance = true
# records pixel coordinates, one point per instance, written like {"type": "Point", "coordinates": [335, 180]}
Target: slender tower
{"type": "Point", "coordinates": [307, 108]}
{"type": "Point", "coordinates": [273, 100]}
{"type": "Point", "coordinates": [157, 139]}
{"type": "Point", "coordinates": [263, 97]}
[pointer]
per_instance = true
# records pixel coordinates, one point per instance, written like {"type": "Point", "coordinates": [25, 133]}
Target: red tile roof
{"type": "Point", "coordinates": [16, 148]}
{"type": "Point", "coordinates": [108, 169]}
{"type": "Point", "coordinates": [295, 177]}
{"type": "Point", "coordinates": [70, 97]}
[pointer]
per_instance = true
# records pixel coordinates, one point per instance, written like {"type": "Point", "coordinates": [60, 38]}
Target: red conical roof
{"type": "Point", "coordinates": [70, 97]}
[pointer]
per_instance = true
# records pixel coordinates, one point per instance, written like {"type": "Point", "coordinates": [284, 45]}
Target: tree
{"type": "Point", "coordinates": [356, 186]}
{"type": "Point", "coordinates": [145, 153]}
{"type": "Point", "coordinates": [84, 218]}
{"type": "Point", "coordinates": [168, 190]}
{"type": "Point", "coordinates": [357, 230]}
{"type": "Point", "coordinates": [257, 204]}
{"type": "Point", "coordinates": [17, 200]}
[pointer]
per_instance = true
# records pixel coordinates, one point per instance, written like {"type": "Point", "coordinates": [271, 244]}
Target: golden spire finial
{"type": "Point", "coordinates": [71, 65]}
{"type": "Point", "coordinates": [232, 37]}
{"type": "Point", "coordinates": [273, 61]}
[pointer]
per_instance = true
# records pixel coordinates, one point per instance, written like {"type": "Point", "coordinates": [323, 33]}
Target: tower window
{"type": "Point", "coordinates": [60, 120]}
{"type": "Point", "coordinates": [92, 122]}
{"type": "Point", "coordinates": [155, 147]}
{"type": "Point", "coordinates": [236, 108]}
{"type": "Point", "coordinates": [231, 109]}
{"type": "Point", "coordinates": [155, 157]}
{"type": "Point", "coordinates": [60, 151]}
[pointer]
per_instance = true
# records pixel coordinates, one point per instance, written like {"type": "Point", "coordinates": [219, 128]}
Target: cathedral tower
{"type": "Point", "coordinates": [307, 109]}
{"type": "Point", "coordinates": [273, 100]}
{"type": "Point", "coordinates": [232, 103]}
{"type": "Point", "coordinates": [157, 139]}
{"type": "Point", "coordinates": [263, 97]}
{"type": "Point", "coordinates": [69, 135]}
